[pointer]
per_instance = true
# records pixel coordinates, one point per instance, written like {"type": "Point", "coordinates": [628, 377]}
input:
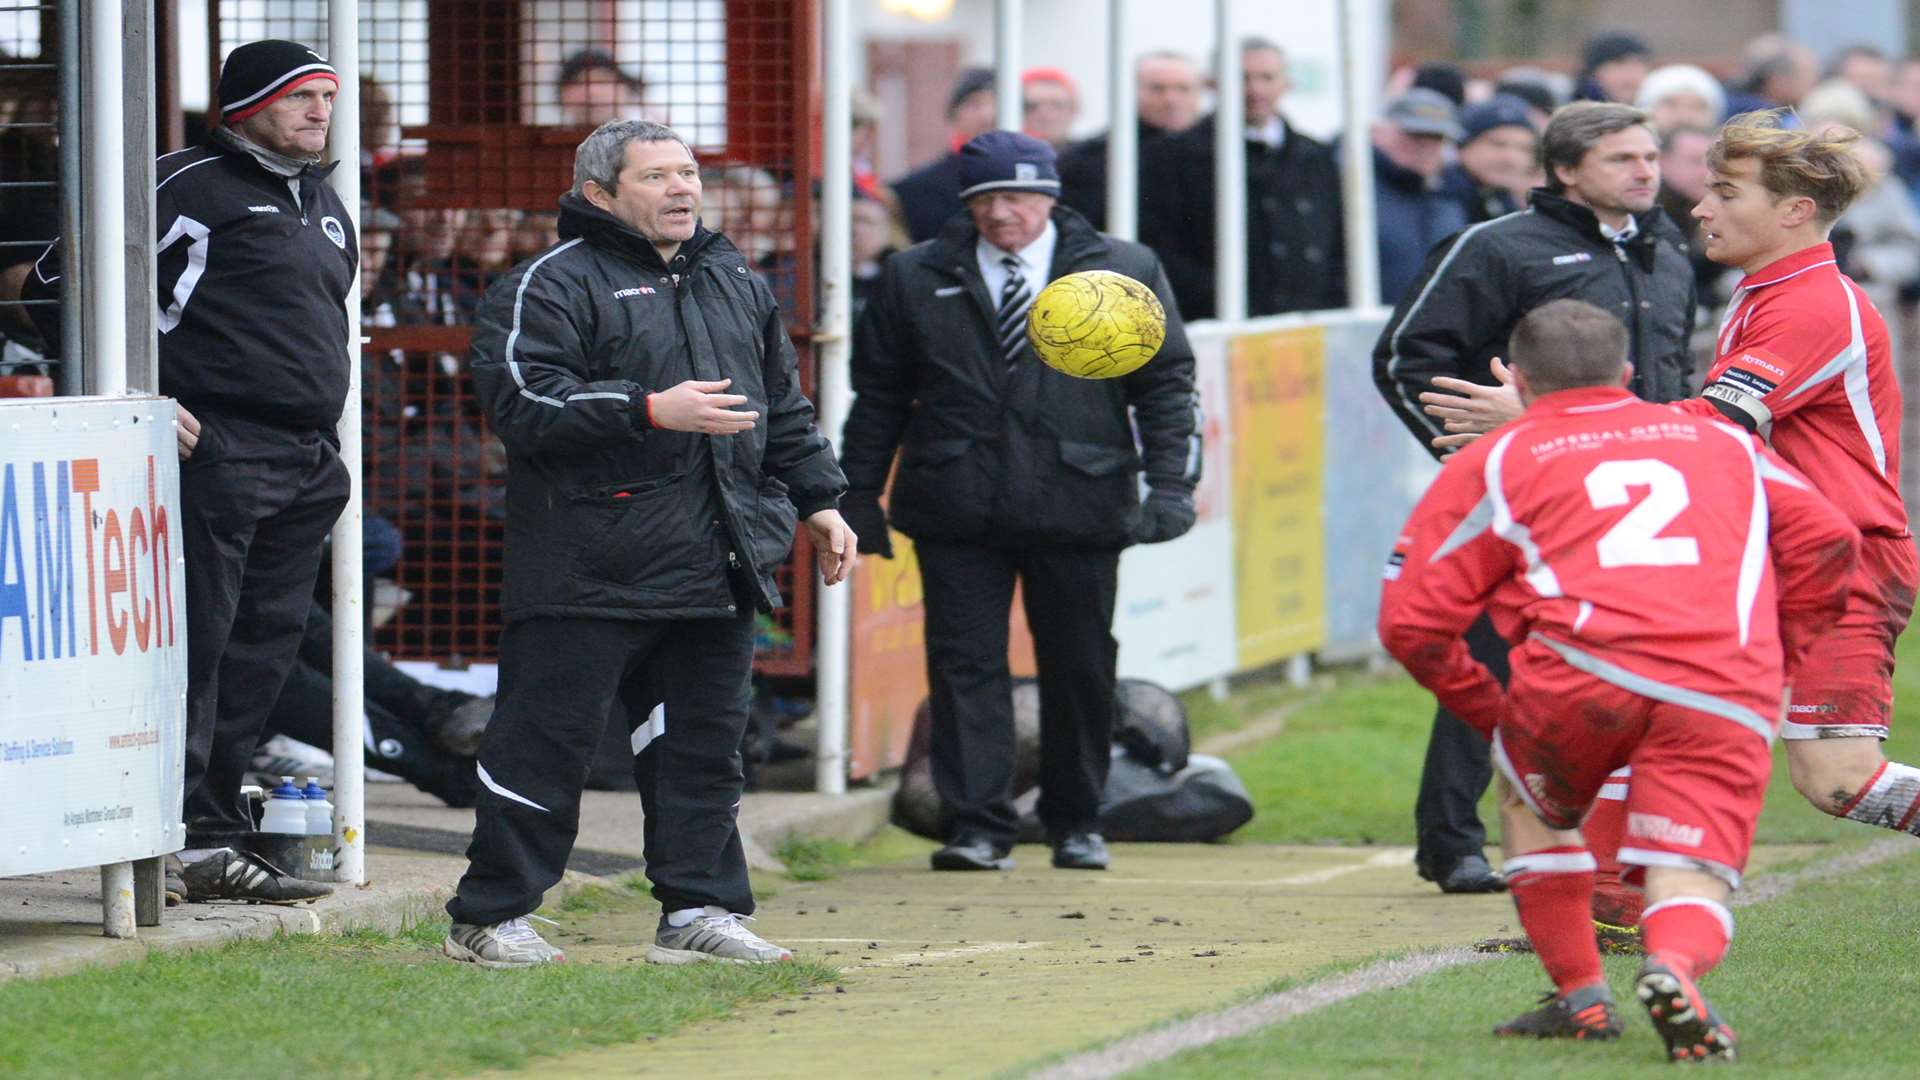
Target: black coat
{"type": "Point", "coordinates": [1296, 243]}
{"type": "Point", "coordinates": [1083, 173]}
{"type": "Point", "coordinates": [1020, 457]}
{"type": "Point", "coordinates": [1461, 311]}
{"type": "Point", "coordinates": [608, 517]}
{"type": "Point", "coordinates": [929, 195]}
{"type": "Point", "coordinates": [253, 289]}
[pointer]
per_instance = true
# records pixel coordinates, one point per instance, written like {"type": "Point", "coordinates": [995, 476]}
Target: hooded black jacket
{"type": "Point", "coordinates": [252, 288]}
{"type": "Point", "coordinates": [1476, 285]}
{"type": "Point", "coordinates": [608, 517]}
{"type": "Point", "coordinates": [1017, 457]}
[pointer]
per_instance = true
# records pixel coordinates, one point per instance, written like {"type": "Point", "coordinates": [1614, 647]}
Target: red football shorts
{"type": "Point", "coordinates": [1845, 685]}
{"type": "Point", "coordinates": [1698, 777]}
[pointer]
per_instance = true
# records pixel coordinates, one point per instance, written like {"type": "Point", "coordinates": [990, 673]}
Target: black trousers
{"type": "Point", "coordinates": [558, 680]}
{"type": "Point", "coordinates": [399, 708]}
{"type": "Point", "coordinates": [1459, 767]}
{"type": "Point", "coordinates": [1069, 597]}
{"type": "Point", "coordinates": [255, 505]}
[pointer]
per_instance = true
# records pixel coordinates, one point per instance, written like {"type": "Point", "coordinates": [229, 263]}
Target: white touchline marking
{"type": "Point", "coordinates": [1137, 1051]}
{"type": "Point", "coordinates": [935, 955]}
{"type": "Point", "coordinates": [1385, 857]}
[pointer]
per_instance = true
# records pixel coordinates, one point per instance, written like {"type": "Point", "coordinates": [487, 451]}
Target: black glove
{"type": "Point", "coordinates": [1167, 515]}
{"type": "Point", "coordinates": [863, 514]}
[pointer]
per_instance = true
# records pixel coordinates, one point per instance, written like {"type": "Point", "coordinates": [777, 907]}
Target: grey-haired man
{"type": "Point", "coordinates": [659, 454]}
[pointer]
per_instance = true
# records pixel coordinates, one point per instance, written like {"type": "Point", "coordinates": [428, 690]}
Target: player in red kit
{"type": "Point", "coordinates": [1662, 574]}
{"type": "Point", "coordinates": [1803, 361]}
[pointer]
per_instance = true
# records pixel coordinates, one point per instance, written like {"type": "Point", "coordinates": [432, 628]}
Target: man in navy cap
{"type": "Point", "coordinates": [1409, 151]}
{"type": "Point", "coordinates": [1011, 471]}
{"type": "Point", "coordinates": [256, 259]}
{"type": "Point", "coordinates": [1498, 161]}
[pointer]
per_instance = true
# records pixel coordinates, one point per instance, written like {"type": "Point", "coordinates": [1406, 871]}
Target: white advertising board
{"type": "Point", "coordinates": [93, 633]}
{"type": "Point", "coordinates": [1174, 617]}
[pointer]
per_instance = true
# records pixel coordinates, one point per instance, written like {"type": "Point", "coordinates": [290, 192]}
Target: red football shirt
{"type": "Point", "coordinates": [1804, 355]}
{"type": "Point", "coordinates": [1663, 551]}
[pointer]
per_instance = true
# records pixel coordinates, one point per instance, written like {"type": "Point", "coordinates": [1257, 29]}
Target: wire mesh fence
{"type": "Point", "coordinates": [29, 182]}
{"type": "Point", "coordinates": [470, 113]}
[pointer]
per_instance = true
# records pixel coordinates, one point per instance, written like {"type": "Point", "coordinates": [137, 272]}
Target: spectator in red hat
{"type": "Point", "coordinates": [1050, 103]}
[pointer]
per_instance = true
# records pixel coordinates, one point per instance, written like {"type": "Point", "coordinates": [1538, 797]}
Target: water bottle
{"type": "Point", "coordinates": [286, 811]}
{"type": "Point", "coordinates": [319, 810]}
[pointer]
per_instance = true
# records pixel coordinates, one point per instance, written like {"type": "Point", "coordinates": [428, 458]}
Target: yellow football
{"type": "Point", "coordinates": [1096, 324]}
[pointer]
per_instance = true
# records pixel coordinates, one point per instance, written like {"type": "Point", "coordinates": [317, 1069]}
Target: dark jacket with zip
{"type": "Point", "coordinates": [252, 289]}
{"type": "Point", "coordinates": [1461, 311]}
{"type": "Point", "coordinates": [607, 516]}
{"type": "Point", "coordinates": [1011, 455]}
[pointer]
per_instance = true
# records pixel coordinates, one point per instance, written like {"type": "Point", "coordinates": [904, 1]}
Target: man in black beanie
{"type": "Point", "coordinates": [256, 260]}
{"type": "Point", "coordinates": [1611, 67]}
{"type": "Point", "coordinates": [1010, 470]}
{"type": "Point", "coordinates": [930, 194]}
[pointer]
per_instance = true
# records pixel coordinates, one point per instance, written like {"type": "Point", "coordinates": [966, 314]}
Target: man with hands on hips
{"type": "Point", "coordinates": [644, 528]}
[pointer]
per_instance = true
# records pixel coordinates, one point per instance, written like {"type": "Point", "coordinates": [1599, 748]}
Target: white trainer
{"type": "Point", "coordinates": [511, 944]}
{"type": "Point", "coordinates": [716, 935]}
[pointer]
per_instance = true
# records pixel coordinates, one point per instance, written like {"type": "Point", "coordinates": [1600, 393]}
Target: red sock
{"type": "Point", "coordinates": [1553, 891]}
{"type": "Point", "coordinates": [1614, 901]}
{"type": "Point", "coordinates": [1688, 930]}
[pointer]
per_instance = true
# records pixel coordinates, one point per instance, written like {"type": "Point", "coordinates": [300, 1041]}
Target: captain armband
{"type": "Point", "coordinates": [1740, 405]}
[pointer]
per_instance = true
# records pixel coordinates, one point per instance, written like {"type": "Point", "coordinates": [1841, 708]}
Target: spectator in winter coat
{"type": "Point", "coordinates": [1011, 470]}
{"type": "Point", "coordinates": [1409, 152]}
{"type": "Point", "coordinates": [930, 194]}
{"type": "Point", "coordinates": [1296, 248]}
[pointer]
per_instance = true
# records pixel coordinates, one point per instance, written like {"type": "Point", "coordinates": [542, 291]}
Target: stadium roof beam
{"type": "Point", "coordinates": [832, 344]}
{"type": "Point", "coordinates": [1008, 16]}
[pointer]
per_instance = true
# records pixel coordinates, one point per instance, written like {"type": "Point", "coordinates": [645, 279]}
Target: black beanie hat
{"type": "Point", "coordinates": [260, 73]}
{"type": "Point", "coordinates": [1608, 47]}
{"type": "Point", "coordinates": [1007, 161]}
{"type": "Point", "coordinates": [971, 81]}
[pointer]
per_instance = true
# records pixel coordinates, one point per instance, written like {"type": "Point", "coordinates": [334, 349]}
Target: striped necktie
{"type": "Point", "coordinates": [1014, 300]}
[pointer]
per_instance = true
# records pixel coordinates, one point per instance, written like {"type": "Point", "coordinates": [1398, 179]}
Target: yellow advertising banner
{"type": "Point", "coordinates": [1279, 385]}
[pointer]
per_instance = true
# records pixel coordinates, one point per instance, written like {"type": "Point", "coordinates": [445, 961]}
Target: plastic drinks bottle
{"type": "Point", "coordinates": [286, 810]}
{"type": "Point", "coordinates": [319, 810]}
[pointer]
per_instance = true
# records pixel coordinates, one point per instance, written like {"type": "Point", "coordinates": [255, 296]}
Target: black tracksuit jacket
{"type": "Point", "coordinates": [1020, 456]}
{"type": "Point", "coordinates": [252, 289]}
{"type": "Point", "coordinates": [608, 517]}
{"type": "Point", "coordinates": [1476, 285]}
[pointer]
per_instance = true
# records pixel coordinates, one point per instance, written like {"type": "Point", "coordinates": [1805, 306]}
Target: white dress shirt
{"type": "Point", "coordinates": [1036, 259]}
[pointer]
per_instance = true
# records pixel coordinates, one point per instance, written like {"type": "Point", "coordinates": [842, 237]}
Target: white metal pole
{"type": "Point", "coordinates": [1358, 23]}
{"type": "Point", "coordinates": [349, 609]}
{"type": "Point", "coordinates": [1229, 171]}
{"type": "Point", "coordinates": [104, 237]}
{"type": "Point", "coordinates": [1123, 133]}
{"type": "Point", "coordinates": [1008, 111]}
{"type": "Point", "coordinates": [833, 660]}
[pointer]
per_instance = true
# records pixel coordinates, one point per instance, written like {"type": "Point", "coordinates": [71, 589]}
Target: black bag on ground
{"type": "Point", "coordinates": [1156, 790]}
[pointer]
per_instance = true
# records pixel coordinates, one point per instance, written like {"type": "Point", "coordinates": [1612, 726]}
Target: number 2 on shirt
{"type": "Point", "coordinates": [1635, 539]}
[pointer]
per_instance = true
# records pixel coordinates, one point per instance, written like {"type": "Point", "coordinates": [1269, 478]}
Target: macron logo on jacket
{"type": "Point", "coordinates": [638, 290]}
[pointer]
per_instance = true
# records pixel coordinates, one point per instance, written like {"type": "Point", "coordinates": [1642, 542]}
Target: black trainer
{"type": "Point", "coordinates": [971, 851]}
{"type": "Point", "coordinates": [1690, 1027]}
{"type": "Point", "coordinates": [1467, 874]}
{"type": "Point", "coordinates": [1587, 1013]}
{"type": "Point", "coordinates": [231, 874]}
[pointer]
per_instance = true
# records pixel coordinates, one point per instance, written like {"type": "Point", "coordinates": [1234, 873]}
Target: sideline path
{"type": "Point", "coordinates": [973, 975]}
{"type": "Point", "coordinates": [963, 975]}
